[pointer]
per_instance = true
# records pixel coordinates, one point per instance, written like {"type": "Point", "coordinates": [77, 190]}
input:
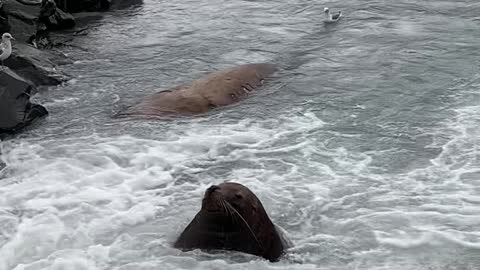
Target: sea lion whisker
{"type": "Point", "coordinates": [244, 221]}
{"type": "Point", "coordinates": [228, 211]}
{"type": "Point", "coordinates": [225, 209]}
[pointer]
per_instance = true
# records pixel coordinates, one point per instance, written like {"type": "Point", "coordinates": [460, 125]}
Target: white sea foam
{"type": "Point", "coordinates": [429, 238]}
{"type": "Point", "coordinates": [440, 207]}
{"type": "Point", "coordinates": [239, 56]}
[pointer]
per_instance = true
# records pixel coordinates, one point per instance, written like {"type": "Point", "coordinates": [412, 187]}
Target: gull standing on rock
{"type": "Point", "coordinates": [5, 47]}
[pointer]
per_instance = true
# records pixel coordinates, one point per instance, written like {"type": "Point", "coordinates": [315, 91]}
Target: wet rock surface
{"type": "Point", "coordinates": [16, 110]}
{"type": "Point", "coordinates": [74, 6]}
{"type": "Point", "coordinates": [4, 24]}
{"type": "Point", "coordinates": [38, 66]}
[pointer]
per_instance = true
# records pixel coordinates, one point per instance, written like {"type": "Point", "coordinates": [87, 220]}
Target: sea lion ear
{"type": "Point", "coordinates": [238, 195]}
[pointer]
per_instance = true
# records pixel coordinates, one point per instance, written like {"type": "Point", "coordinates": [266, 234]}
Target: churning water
{"type": "Point", "coordinates": [364, 147]}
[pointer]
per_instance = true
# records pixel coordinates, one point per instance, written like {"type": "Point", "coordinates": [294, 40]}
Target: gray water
{"type": "Point", "coordinates": [363, 147]}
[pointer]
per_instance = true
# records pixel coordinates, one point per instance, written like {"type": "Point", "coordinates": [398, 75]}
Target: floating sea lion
{"type": "Point", "coordinates": [233, 218]}
{"type": "Point", "coordinates": [216, 89]}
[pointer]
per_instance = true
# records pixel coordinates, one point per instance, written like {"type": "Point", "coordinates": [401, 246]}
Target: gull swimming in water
{"type": "Point", "coordinates": [5, 47]}
{"type": "Point", "coordinates": [331, 18]}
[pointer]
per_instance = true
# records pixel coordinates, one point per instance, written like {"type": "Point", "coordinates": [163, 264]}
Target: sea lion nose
{"type": "Point", "coordinates": [212, 188]}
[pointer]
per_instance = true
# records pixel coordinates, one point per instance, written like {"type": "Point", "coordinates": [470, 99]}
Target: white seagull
{"type": "Point", "coordinates": [331, 18]}
{"type": "Point", "coordinates": [5, 47]}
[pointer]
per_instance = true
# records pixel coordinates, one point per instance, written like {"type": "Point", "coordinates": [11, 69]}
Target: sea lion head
{"type": "Point", "coordinates": [232, 218]}
{"type": "Point", "coordinates": [233, 208]}
{"type": "Point", "coordinates": [221, 199]}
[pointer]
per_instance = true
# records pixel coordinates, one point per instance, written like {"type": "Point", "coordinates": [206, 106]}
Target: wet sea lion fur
{"type": "Point", "coordinates": [233, 218]}
{"type": "Point", "coordinates": [213, 90]}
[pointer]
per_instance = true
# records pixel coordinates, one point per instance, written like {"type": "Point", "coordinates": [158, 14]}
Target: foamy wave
{"type": "Point", "coordinates": [76, 193]}
{"type": "Point", "coordinates": [429, 238]}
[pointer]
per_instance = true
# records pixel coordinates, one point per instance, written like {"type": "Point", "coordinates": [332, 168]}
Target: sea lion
{"type": "Point", "coordinates": [216, 89]}
{"type": "Point", "coordinates": [233, 218]}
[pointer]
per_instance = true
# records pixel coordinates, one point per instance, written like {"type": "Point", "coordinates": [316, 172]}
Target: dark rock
{"type": "Point", "coordinates": [74, 6]}
{"type": "Point", "coordinates": [50, 18]}
{"type": "Point", "coordinates": [119, 4]}
{"type": "Point", "coordinates": [53, 17]}
{"type": "Point", "coordinates": [36, 65]}
{"type": "Point", "coordinates": [4, 24]}
{"type": "Point", "coordinates": [20, 29]}
{"type": "Point", "coordinates": [27, 19]}
{"type": "Point", "coordinates": [30, 2]}
{"type": "Point", "coordinates": [16, 110]}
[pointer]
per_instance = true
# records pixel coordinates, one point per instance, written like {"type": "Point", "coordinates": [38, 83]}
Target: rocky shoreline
{"type": "Point", "coordinates": [34, 61]}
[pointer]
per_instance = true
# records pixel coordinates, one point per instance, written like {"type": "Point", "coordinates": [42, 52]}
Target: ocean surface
{"type": "Point", "coordinates": [364, 146]}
